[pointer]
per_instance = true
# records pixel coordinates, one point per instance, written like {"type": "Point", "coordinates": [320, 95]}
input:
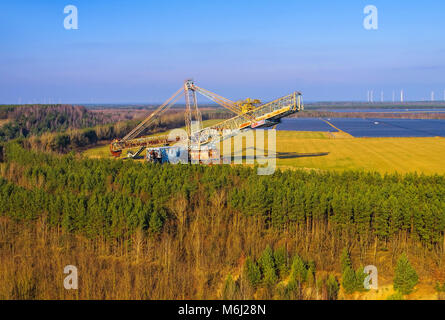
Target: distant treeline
{"type": "Point", "coordinates": [32, 120]}
{"type": "Point", "coordinates": [63, 128]}
{"type": "Point", "coordinates": [69, 140]}
{"type": "Point", "coordinates": [380, 105]}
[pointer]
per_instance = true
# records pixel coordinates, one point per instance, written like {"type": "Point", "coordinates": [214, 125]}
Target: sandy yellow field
{"type": "Point", "coordinates": [424, 155]}
{"type": "Point", "coordinates": [327, 151]}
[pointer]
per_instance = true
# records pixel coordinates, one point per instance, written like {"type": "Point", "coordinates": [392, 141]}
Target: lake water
{"type": "Point", "coordinates": [382, 110]}
{"type": "Point", "coordinates": [369, 127]}
{"type": "Point", "coordinates": [304, 124]}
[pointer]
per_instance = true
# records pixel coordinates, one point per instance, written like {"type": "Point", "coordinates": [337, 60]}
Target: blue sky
{"type": "Point", "coordinates": [141, 51]}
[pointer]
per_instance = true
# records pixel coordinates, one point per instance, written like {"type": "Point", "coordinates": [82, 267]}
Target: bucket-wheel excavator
{"type": "Point", "coordinates": [248, 114]}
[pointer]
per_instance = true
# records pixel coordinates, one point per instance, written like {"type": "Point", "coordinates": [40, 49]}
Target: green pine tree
{"type": "Point", "coordinates": [298, 273]}
{"type": "Point", "coordinates": [406, 277]}
{"type": "Point", "coordinates": [349, 280]}
{"type": "Point", "coordinates": [267, 265]}
{"type": "Point", "coordinates": [360, 276]}
{"type": "Point", "coordinates": [252, 272]}
{"type": "Point", "coordinates": [345, 260]}
{"type": "Point", "coordinates": [332, 288]}
{"type": "Point", "coordinates": [155, 222]}
{"type": "Point", "coordinates": [280, 257]}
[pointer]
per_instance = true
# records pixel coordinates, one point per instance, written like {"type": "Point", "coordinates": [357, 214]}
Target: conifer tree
{"type": "Point", "coordinates": [406, 276]}
{"type": "Point", "coordinates": [267, 264]}
{"type": "Point", "coordinates": [298, 273]}
{"type": "Point", "coordinates": [360, 276]}
{"type": "Point", "coordinates": [252, 272]}
{"type": "Point", "coordinates": [280, 257]}
{"type": "Point", "coordinates": [332, 287]}
{"type": "Point", "coordinates": [349, 281]}
{"type": "Point", "coordinates": [345, 260]}
{"type": "Point", "coordinates": [155, 222]}
{"type": "Point", "coordinates": [352, 281]}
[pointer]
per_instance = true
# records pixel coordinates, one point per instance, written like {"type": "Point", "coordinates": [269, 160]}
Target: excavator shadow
{"type": "Point", "coordinates": [295, 155]}
{"type": "Point", "coordinates": [283, 155]}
